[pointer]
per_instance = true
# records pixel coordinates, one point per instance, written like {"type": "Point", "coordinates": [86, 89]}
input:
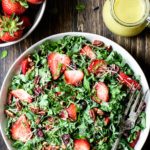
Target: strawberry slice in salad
{"type": "Point", "coordinates": [128, 81]}
{"type": "Point", "coordinates": [72, 112]}
{"type": "Point", "coordinates": [57, 64]}
{"type": "Point", "coordinates": [22, 95]}
{"type": "Point", "coordinates": [86, 50]}
{"type": "Point", "coordinates": [102, 92]}
{"type": "Point", "coordinates": [133, 143]}
{"type": "Point", "coordinates": [73, 77]}
{"type": "Point", "coordinates": [106, 120]}
{"type": "Point", "coordinates": [97, 66]}
{"type": "Point", "coordinates": [81, 144]}
{"type": "Point", "coordinates": [26, 65]}
{"type": "Point", "coordinates": [21, 130]}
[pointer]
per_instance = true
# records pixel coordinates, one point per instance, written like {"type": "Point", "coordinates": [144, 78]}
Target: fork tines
{"type": "Point", "coordinates": [136, 103]}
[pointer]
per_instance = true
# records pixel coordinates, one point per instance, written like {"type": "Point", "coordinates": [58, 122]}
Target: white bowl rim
{"type": "Point", "coordinates": [43, 6]}
{"type": "Point", "coordinates": [31, 49]}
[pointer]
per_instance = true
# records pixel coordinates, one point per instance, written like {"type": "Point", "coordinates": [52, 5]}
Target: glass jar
{"type": "Point", "coordinates": [126, 17]}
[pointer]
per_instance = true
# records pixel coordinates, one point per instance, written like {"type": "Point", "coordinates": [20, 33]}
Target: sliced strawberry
{"type": "Point", "coordinates": [22, 95]}
{"type": "Point", "coordinates": [58, 93]}
{"type": "Point", "coordinates": [106, 120]}
{"type": "Point", "coordinates": [102, 92]}
{"type": "Point", "coordinates": [125, 79]}
{"type": "Point", "coordinates": [97, 66]}
{"type": "Point", "coordinates": [57, 63]}
{"type": "Point", "coordinates": [81, 144]}
{"type": "Point", "coordinates": [72, 112]}
{"type": "Point", "coordinates": [133, 143]}
{"type": "Point", "coordinates": [86, 50]}
{"type": "Point", "coordinates": [73, 77]}
{"type": "Point", "coordinates": [24, 66]}
{"type": "Point", "coordinates": [21, 130]}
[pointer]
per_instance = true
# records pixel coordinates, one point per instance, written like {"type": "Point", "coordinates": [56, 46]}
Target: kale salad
{"type": "Point", "coordinates": [71, 94]}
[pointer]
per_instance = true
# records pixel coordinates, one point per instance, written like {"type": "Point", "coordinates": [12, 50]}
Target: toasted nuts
{"type": "Point", "coordinates": [109, 48]}
{"type": "Point", "coordinates": [92, 114]}
{"type": "Point", "coordinates": [18, 105]}
{"type": "Point", "coordinates": [98, 43]}
{"type": "Point", "coordinates": [63, 146]}
{"type": "Point", "coordinates": [98, 111]}
{"type": "Point", "coordinates": [9, 113]}
{"type": "Point", "coordinates": [9, 100]}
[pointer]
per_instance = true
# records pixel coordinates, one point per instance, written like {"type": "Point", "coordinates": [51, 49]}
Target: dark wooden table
{"type": "Point", "coordinates": [61, 16]}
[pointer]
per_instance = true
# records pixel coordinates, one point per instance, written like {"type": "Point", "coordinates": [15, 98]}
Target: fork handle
{"type": "Point", "coordinates": [115, 145]}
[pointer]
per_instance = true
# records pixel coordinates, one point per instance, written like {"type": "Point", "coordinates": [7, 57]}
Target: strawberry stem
{"type": "Point", "coordinates": [10, 24]}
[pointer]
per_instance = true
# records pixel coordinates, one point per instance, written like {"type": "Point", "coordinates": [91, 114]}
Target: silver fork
{"type": "Point", "coordinates": [132, 112]}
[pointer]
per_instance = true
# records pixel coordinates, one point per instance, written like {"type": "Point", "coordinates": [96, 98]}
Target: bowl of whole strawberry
{"type": "Point", "coordinates": [18, 18]}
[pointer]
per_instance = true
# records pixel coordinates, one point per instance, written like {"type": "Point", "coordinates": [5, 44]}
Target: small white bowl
{"type": "Point", "coordinates": [38, 18]}
{"type": "Point", "coordinates": [126, 56]}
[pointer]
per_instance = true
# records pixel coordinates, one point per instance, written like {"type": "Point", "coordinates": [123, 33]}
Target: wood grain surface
{"type": "Point", "coordinates": [61, 16]}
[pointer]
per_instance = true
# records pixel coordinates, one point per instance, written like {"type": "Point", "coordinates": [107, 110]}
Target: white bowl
{"type": "Point", "coordinates": [38, 18]}
{"type": "Point", "coordinates": [128, 58]}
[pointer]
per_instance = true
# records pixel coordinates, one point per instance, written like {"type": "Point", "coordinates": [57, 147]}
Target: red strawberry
{"type": "Point", "coordinates": [17, 7]}
{"type": "Point", "coordinates": [35, 1]}
{"type": "Point", "coordinates": [22, 95]}
{"type": "Point", "coordinates": [1, 41]}
{"type": "Point", "coordinates": [10, 28]}
{"type": "Point", "coordinates": [133, 143]}
{"type": "Point", "coordinates": [102, 92]}
{"type": "Point", "coordinates": [86, 50]}
{"type": "Point", "coordinates": [72, 112]}
{"type": "Point", "coordinates": [125, 79]}
{"type": "Point", "coordinates": [57, 63]}
{"type": "Point", "coordinates": [26, 65]}
{"type": "Point", "coordinates": [73, 77]}
{"type": "Point", "coordinates": [26, 21]}
{"type": "Point", "coordinates": [81, 144]}
{"type": "Point", "coordinates": [6, 37]}
{"type": "Point", "coordinates": [106, 120]}
{"type": "Point", "coordinates": [21, 130]}
{"type": "Point", "coordinates": [97, 66]}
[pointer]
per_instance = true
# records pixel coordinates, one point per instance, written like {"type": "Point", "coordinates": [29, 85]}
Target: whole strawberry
{"type": "Point", "coordinates": [17, 7]}
{"type": "Point", "coordinates": [26, 21]}
{"type": "Point", "coordinates": [10, 28]}
{"type": "Point", "coordinates": [35, 1]}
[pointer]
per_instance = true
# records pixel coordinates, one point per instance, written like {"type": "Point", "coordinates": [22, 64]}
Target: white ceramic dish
{"type": "Point", "coordinates": [38, 18]}
{"type": "Point", "coordinates": [129, 59]}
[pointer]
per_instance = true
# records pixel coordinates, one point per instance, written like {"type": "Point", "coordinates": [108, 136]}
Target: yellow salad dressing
{"type": "Point", "coordinates": [122, 16]}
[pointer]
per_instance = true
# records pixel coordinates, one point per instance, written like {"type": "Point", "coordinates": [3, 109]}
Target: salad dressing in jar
{"type": "Point", "coordinates": [126, 17]}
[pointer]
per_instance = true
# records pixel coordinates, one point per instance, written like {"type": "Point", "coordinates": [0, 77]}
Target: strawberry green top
{"type": "Point", "coordinates": [71, 94]}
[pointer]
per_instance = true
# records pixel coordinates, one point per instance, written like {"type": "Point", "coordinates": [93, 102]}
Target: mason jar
{"type": "Point", "coordinates": [126, 17]}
